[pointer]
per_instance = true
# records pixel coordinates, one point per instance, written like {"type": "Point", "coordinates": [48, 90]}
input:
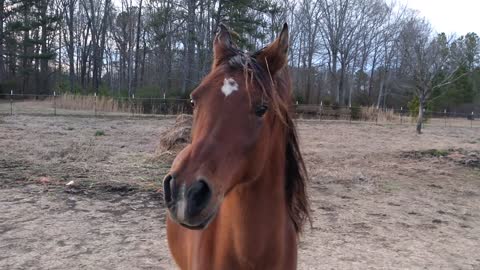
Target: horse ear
{"type": "Point", "coordinates": [275, 56]}
{"type": "Point", "coordinates": [222, 45]}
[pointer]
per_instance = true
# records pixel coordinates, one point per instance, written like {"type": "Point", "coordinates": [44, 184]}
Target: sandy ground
{"type": "Point", "coordinates": [379, 201]}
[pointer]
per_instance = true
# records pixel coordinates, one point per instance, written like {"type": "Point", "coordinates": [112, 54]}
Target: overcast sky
{"type": "Point", "coordinates": [449, 16]}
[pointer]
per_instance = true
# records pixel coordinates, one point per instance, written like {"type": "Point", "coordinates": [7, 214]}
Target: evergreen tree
{"type": "Point", "coordinates": [249, 19]}
{"type": "Point", "coordinates": [28, 36]}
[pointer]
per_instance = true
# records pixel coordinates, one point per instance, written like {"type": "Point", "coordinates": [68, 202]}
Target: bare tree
{"type": "Point", "coordinates": [69, 37]}
{"type": "Point", "coordinates": [351, 52]}
{"type": "Point", "coordinates": [309, 22]}
{"type": "Point", "coordinates": [137, 44]}
{"type": "Point", "coordinates": [426, 58]}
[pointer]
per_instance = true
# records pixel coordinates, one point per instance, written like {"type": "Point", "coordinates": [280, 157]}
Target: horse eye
{"type": "Point", "coordinates": [192, 102]}
{"type": "Point", "coordinates": [261, 110]}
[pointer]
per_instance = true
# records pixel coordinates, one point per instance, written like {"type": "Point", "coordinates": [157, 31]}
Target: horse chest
{"type": "Point", "coordinates": [215, 250]}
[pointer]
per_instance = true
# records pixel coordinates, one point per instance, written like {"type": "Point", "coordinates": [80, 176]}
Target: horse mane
{"type": "Point", "coordinates": [277, 90]}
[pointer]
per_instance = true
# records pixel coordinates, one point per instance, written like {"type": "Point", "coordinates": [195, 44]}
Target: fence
{"type": "Point", "coordinates": [76, 105]}
{"type": "Point", "coordinates": [399, 116]}
{"type": "Point", "coordinates": [100, 106]}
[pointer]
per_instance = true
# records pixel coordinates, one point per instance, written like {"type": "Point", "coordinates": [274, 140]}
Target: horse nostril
{"type": "Point", "coordinates": [168, 185]}
{"type": "Point", "coordinates": [198, 196]}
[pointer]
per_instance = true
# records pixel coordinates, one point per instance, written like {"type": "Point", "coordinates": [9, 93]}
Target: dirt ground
{"type": "Point", "coordinates": [382, 197]}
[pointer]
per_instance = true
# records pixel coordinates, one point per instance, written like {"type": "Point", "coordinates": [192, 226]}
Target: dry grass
{"type": "Point", "coordinates": [373, 206]}
{"type": "Point", "coordinates": [174, 139]}
{"type": "Point", "coordinates": [99, 103]}
{"type": "Point", "coordinates": [380, 115]}
{"type": "Point", "coordinates": [179, 135]}
{"type": "Point", "coordinates": [77, 151]}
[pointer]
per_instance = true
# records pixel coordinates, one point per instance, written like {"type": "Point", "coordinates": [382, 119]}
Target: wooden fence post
{"type": "Point", "coordinates": [95, 104]}
{"type": "Point", "coordinates": [11, 102]}
{"type": "Point", "coordinates": [54, 104]}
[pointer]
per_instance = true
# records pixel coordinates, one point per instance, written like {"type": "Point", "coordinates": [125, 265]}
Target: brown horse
{"type": "Point", "coordinates": [236, 195]}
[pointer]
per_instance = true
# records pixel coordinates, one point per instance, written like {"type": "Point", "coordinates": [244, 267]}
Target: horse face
{"type": "Point", "coordinates": [231, 138]}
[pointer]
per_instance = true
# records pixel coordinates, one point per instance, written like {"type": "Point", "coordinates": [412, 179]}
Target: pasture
{"type": "Point", "coordinates": [85, 193]}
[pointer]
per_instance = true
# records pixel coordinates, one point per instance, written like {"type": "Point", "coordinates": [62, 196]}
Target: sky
{"type": "Point", "coordinates": [449, 16]}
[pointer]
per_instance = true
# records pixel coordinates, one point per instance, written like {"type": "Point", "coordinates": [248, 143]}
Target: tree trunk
{"type": "Point", "coordinates": [189, 46]}
{"type": "Point", "coordinates": [352, 81]}
{"type": "Point", "coordinates": [420, 114]}
{"type": "Point", "coordinates": [350, 91]}
{"type": "Point", "coordinates": [372, 73]}
{"type": "Point", "coordinates": [35, 51]}
{"type": "Point", "coordinates": [44, 50]}
{"type": "Point", "coordinates": [142, 72]}
{"type": "Point", "coordinates": [137, 46]}
{"type": "Point", "coordinates": [341, 86]}
{"type": "Point", "coordinates": [310, 73]}
{"type": "Point", "coordinates": [84, 60]}
{"type": "Point", "coordinates": [26, 61]}
{"type": "Point", "coordinates": [380, 90]}
{"type": "Point", "coordinates": [70, 44]}
{"type": "Point", "coordinates": [94, 42]}
{"type": "Point", "coordinates": [99, 59]}
{"type": "Point", "coordinates": [2, 67]}
{"type": "Point", "coordinates": [60, 71]}
{"type": "Point", "coordinates": [334, 76]}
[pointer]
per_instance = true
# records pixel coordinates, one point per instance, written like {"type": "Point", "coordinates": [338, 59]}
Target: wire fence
{"type": "Point", "coordinates": [399, 116]}
{"type": "Point", "coordinates": [103, 106]}
{"type": "Point", "coordinates": [93, 105]}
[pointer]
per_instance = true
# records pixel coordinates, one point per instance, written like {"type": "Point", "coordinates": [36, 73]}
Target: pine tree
{"type": "Point", "coordinates": [29, 33]}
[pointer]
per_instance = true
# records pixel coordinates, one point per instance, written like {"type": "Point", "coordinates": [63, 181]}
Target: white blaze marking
{"type": "Point", "coordinates": [229, 86]}
{"type": "Point", "coordinates": [181, 204]}
{"type": "Point", "coordinates": [181, 209]}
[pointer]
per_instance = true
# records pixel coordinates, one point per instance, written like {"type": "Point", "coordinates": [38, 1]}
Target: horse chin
{"type": "Point", "coordinates": [197, 225]}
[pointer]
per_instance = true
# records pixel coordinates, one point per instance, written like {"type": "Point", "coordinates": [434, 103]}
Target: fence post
{"type": "Point", "coordinates": [11, 102]}
{"type": "Point", "coordinates": [350, 108]}
{"type": "Point", "coordinates": [401, 115]}
{"type": "Point", "coordinates": [152, 111]}
{"type": "Point", "coordinates": [95, 104]}
{"type": "Point", "coordinates": [321, 110]}
{"type": "Point", "coordinates": [424, 118]}
{"type": "Point", "coordinates": [445, 116]}
{"type": "Point", "coordinates": [132, 100]}
{"type": "Point", "coordinates": [471, 120]}
{"type": "Point", "coordinates": [54, 104]}
{"type": "Point", "coordinates": [163, 105]}
{"type": "Point", "coordinates": [296, 108]}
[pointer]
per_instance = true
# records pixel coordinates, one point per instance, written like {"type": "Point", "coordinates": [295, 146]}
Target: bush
{"type": "Point", "coordinates": [413, 106]}
{"type": "Point", "coordinates": [335, 106]}
{"type": "Point", "coordinates": [327, 101]}
{"type": "Point", "coordinates": [356, 113]}
{"type": "Point", "coordinates": [149, 91]}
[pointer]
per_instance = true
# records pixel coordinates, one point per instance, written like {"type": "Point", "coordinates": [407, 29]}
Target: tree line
{"type": "Point", "coordinates": [343, 52]}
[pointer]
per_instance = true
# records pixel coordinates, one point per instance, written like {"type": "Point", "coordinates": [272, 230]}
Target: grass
{"type": "Point", "coordinates": [380, 115]}
{"type": "Point", "coordinates": [99, 133]}
{"type": "Point", "coordinates": [99, 103]}
{"type": "Point", "coordinates": [437, 153]}
{"type": "Point", "coordinates": [434, 153]}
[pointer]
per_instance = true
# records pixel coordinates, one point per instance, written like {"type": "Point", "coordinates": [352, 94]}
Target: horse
{"type": "Point", "coordinates": [236, 195]}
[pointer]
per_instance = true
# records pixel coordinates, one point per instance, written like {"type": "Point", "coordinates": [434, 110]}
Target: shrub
{"type": "Point", "coordinates": [413, 106]}
{"type": "Point", "coordinates": [356, 113]}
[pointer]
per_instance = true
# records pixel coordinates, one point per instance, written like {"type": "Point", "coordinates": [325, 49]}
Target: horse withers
{"type": "Point", "coordinates": [236, 196]}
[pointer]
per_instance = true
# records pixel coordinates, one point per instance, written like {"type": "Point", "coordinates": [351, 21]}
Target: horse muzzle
{"type": "Point", "coordinates": [191, 206]}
